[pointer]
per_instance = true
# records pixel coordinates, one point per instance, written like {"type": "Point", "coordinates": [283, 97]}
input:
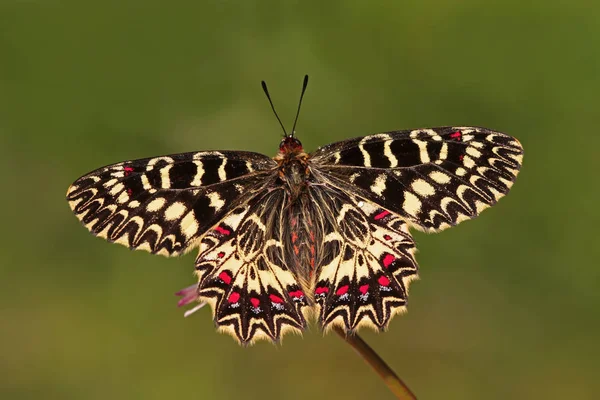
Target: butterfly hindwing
{"type": "Point", "coordinates": [435, 178]}
{"type": "Point", "coordinates": [164, 204]}
{"type": "Point", "coordinates": [242, 274]}
{"type": "Point", "coordinates": [366, 283]}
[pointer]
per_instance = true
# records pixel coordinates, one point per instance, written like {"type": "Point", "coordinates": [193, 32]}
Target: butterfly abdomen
{"type": "Point", "coordinates": [302, 246]}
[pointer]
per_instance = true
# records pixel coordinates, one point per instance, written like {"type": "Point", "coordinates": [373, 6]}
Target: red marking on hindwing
{"type": "Point", "coordinates": [383, 281]}
{"type": "Point", "coordinates": [222, 230]}
{"type": "Point", "coordinates": [321, 290]}
{"type": "Point", "coordinates": [129, 192]}
{"type": "Point", "coordinates": [387, 237]}
{"type": "Point", "coordinates": [382, 214]}
{"type": "Point", "coordinates": [297, 294]}
{"type": "Point", "coordinates": [128, 170]}
{"type": "Point", "coordinates": [275, 299]}
{"type": "Point", "coordinates": [221, 254]}
{"type": "Point", "coordinates": [225, 277]}
{"type": "Point", "coordinates": [255, 302]}
{"type": "Point", "coordinates": [388, 259]}
{"type": "Point", "coordinates": [234, 297]}
{"type": "Point", "coordinates": [342, 290]}
{"type": "Point", "coordinates": [461, 157]}
{"type": "Point", "coordinates": [364, 289]}
{"type": "Point", "coordinates": [456, 135]}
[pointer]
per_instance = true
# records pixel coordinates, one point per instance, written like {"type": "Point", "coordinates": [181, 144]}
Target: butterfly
{"type": "Point", "coordinates": [322, 235]}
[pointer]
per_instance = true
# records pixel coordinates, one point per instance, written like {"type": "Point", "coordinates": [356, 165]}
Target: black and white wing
{"type": "Point", "coordinates": [164, 204]}
{"type": "Point", "coordinates": [221, 202]}
{"type": "Point", "coordinates": [435, 178]}
{"type": "Point", "coordinates": [377, 186]}
{"type": "Point", "coordinates": [243, 273]}
{"type": "Point", "coordinates": [367, 263]}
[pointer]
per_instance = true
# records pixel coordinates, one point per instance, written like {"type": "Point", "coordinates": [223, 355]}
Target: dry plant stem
{"type": "Point", "coordinates": [393, 382]}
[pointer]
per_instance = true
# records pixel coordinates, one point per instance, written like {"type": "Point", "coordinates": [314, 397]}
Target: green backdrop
{"type": "Point", "coordinates": [507, 305]}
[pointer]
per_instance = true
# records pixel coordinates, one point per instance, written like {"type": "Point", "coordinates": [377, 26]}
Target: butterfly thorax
{"type": "Point", "coordinates": [293, 167]}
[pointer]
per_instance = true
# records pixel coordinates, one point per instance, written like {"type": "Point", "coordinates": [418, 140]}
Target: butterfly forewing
{"type": "Point", "coordinates": [435, 178]}
{"type": "Point", "coordinates": [164, 204]}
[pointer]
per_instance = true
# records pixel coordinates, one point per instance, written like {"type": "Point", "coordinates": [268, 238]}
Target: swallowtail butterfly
{"type": "Point", "coordinates": [321, 235]}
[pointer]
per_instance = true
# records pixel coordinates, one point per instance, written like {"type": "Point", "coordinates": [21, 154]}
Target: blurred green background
{"type": "Point", "coordinates": [507, 305]}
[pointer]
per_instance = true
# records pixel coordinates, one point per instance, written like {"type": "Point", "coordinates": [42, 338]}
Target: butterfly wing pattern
{"type": "Point", "coordinates": [429, 179]}
{"type": "Point", "coordinates": [243, 275]}
{"type": "Point", "coordinates": [165, 204]}
{"type": "Point", "coordinates": [324, 234]}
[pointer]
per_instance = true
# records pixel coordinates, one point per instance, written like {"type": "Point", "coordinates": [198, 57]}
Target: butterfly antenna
{"type": "Point", "coordinates": [264, 86]}
{"type": "Point", "coordinates": [304, 84]}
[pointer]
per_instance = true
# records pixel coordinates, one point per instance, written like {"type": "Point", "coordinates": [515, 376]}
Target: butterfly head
{"type": "Point", "coordinates": [290, 144]}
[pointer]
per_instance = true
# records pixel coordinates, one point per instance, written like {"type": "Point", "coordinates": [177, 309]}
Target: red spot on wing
{"type": "Point", "coordinates": [297, 293]}
{"type": "Point", "coordinates": [387, 237]}
{"type": "Point", "coordinates": [255, 302]}
{"type": "Point", "coordinates": [225, 277]}
{"type": "Point", "coordinates": [275, 299]}
{"type": "Point", "coordinates": [383, 281]}
{"type": "Point", "coordinates": [456, 135]}
{"type": "Point", "coordinates": [388, 259]}
{"type": "Point", "coordinates": [222, 230]}
{"type": "Point", "coordinates": [382, 214]}
{"type": "Point", "coordinates": [234, 297]}
{"type": "Point", "coordinates": [221, 254]}
{"type": "Point", "coordinates": [321, 290]}
{"type": "Point", "coordinates": [128, 170]}
{"type": "Point", "coordinates": [461, 157]}
{"type": "Point", "coordinates": [364, 289]}
{"type": "Point", "coordinates": [129, 192]}
{"type": "Point", "coordinates": [342, 290]}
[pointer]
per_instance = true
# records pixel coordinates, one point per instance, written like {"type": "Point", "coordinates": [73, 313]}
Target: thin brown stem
{"type": "Point", "coordinates": [393, 382]}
